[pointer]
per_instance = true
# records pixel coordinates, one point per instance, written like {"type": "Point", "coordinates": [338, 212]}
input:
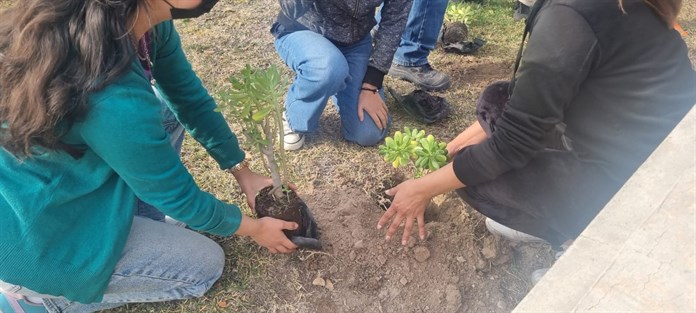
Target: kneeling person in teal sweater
{"type": "Point", "coordinates": [86, 143]}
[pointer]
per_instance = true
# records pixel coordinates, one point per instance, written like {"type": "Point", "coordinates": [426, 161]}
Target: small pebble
{"type": "Point", "coordinates": [421, 254]}
{"type": "Point", "coordinates": [329, 285]}
{"type": "Point", "coordinates": [319, 282]}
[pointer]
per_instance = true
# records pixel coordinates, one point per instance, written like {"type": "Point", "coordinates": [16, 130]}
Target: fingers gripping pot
{"type": "Point", "coordinates": [290, 208]}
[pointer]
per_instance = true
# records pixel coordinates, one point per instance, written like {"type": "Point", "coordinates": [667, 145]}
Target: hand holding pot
{"type": "Point", "coordinates": [251, 183]}
{"type": "Point", "coordinates": [308, 237]}
{"type": "Point", "coordinates": [268, 233]}
{"type": "Point", "coordinates": [410, 202]}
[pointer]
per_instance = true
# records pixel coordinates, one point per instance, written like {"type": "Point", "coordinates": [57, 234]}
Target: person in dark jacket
{"type": "Point", "coordinates": [618, 85]}
{"type": "Point", "coordinates": [329, 47]}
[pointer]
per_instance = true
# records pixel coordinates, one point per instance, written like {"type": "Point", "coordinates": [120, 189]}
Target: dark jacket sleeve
{"type": "Point", "coordinates": [387, 38]}
{"type": "Point", "coordinates": [559, 56]}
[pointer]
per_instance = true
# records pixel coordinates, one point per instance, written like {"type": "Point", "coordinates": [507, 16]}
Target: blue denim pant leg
{"type": "Point", "coordinates": [322, 70]}
{"type": "Point", "coordinates": [160, 262]}
{"type": "Point", "coordinates": [176, 137]}
{"type": "Point", "coordinates": [421, 32]}
{"type": "Point", "coordinates": [366, 132]}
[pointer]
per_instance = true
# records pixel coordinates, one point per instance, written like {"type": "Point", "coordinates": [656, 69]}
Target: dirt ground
{"type": "Point", "coordinates": [460, 267]}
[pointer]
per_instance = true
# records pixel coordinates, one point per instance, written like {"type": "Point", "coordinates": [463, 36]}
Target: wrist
{"type": "Point", "coordinates": [248, 227]}
{"type": "Point", "coordinates": [369, 90]}
{"type": "Point", "coordinates": [425, 190]}
{"type": "Point", "coordinates": [240, 170]}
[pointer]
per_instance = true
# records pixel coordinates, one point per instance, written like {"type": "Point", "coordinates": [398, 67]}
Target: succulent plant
{"type": "Point", "coordinates": [412, 147]}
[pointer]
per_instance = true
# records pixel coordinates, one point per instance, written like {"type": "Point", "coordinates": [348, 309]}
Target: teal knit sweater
{"type": "Point", "coordinates": [64, 221]}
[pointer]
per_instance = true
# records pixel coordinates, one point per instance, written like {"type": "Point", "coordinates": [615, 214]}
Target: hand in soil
{"type": "Point", "coordinates": [269, 234]}
{"type": "Point", "coordinates": [409, 204]}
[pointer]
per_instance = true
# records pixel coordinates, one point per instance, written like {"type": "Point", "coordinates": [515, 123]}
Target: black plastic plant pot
{"type": "Point", "coordinates": [292, 209]}
{"type": "Point", "coordinates": [456, 32]}
{"type": "Point", "coordinates": [454, 38]}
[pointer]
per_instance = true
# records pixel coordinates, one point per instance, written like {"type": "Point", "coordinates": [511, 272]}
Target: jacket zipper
{"type": "Point", "coordinates": [352, 22]}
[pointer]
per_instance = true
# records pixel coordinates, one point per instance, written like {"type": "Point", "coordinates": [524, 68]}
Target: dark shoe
{"type": "Point", "coordinates": [424, 76]}
{"type": "Point", "coordinates": [423, 106]}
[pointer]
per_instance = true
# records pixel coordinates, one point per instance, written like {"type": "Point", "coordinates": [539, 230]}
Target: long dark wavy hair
{"type": "Point", "coordinates": [53, 54]}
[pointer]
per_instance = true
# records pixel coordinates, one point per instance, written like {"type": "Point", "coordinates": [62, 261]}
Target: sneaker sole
{"type": "Point", "coordinates": [408, 78]}
{"type": "Point", "coordinates": [292, 146]}
{"type": "Point", "coordinates": [501, 230]}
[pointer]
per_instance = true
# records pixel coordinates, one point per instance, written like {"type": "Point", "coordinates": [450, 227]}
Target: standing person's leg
{"type": "Point", "coordinates": [160, 262]}
{"type": "Point", "coordinates": [320, 70]}
{"type": "Point", "coordinates": [419, 38]}
{"type": "Point", "coordinates": [365, 133]}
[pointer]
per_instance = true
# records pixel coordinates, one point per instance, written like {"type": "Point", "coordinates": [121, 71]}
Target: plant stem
{"type": "Point", "coordinates": [267, 150]}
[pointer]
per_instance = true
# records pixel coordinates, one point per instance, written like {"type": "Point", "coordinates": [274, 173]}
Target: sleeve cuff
{"type": "Point", "coordinates": [374, 77]}
{"type": "Point", "coordinates": [230, 222]}
{"type": "Point", "coordinates": [227, 155]}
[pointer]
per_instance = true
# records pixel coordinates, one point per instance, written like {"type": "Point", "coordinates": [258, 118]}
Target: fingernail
{"type": "Point", "coordinates": [379, 226]}
{"type": "Point", "coordinates": [422, 237]}
{"type": "Point", "coordinates": [387, 238]}
{"type": "Point", "coordinates": [403, 242]}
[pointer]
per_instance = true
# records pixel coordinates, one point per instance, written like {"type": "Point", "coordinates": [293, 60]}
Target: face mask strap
{"type": "Point", "coordinates": [167, 2]}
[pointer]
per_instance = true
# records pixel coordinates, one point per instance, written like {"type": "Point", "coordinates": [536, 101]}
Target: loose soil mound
{"type": "Point", "coordinates": [459, 267]}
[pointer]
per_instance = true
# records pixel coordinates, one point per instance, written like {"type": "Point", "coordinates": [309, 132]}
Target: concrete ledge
{"type": "Point", "coordinates": [639, 253]}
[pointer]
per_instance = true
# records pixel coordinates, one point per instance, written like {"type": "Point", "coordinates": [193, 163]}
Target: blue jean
{"type": "Point", "coordinates": [324, 70]}
{"type": "Point", "coordinates": [160, 262]}
{"type": "Point", "coordinates": [421, 32]}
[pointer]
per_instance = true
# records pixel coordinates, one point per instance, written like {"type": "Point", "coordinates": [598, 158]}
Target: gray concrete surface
{"type": "Point", "coordinates": [639, 253]}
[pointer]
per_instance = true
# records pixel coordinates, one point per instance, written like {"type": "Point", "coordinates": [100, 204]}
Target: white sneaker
{"type": "Point", "coordinates": [501, 230]}
{"type": "Point", "coordinates": [291, 140]}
